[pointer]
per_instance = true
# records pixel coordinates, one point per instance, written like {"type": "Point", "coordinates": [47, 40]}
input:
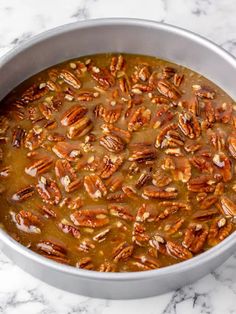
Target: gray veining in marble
{"type": "Point", "coordinates": [20, 20]}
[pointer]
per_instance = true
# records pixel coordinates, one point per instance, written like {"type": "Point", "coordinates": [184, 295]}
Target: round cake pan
{"type": "Point", "coordinates": [129, 36]}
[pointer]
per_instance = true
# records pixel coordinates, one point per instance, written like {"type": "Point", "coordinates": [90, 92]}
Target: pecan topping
{"type": "Point", "coordinates": [127, 162]}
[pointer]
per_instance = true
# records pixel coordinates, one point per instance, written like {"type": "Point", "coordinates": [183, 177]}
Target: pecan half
{"type": "Point", "coordinates": [228, 207]}
{"type": "Point", "coordinates": [144, 154]}
{"type": "Point", "coordinates": [177, 250]}
{"type": "Point", "coordinates": [73, 114]}
{"type": "Point", "coordinates": [53, 250]}
{"type": "Point", "coordinates": [18, 137]}
{"type": "Point", "coordinates": [80, 128]}
{"type": "Point", "coordinates": [66, 150]}
{"type": "Point", "coordinates": [195, 238]}
{"type": "Point", "coordinates": [94, 218]}
{"type": "Point", "coordinates": [220, 228]}
{"type": "Point", "coordinates": [94, 186]}
{"type": "Point", "coordinates": [23, 194]}
{"type": "Point", "coordinates": [121, 211]}
{"type": "Point", "coordinates": [122, 252]}
{"type": "Point", "coordinates": [189, 125]}
{"type": "Point", "coordinates": [140, 118]}
{"type": "Point", "coordinates": [39, 166]}
{"type": "Point", "coordinates": [203, 183]}
{"type": "Point", "coordinates": [167, 89]}
{"type": "Point", "coordinates": [66, 227]}
{"type": "Point", "coordinates": [26, 221]}
{"type": "Point", "coordinates": [152, 191]}
{"type": "Point", "coordinates": [70, 79]}
{"type": "Point", "coordinates": [48, 190]}
{"type": "Point", "coordinates": [112, 143]}
{"type": "Point", "coordinates": [109, 166]}
{"type": "Point", "coordinates": [232, 145]}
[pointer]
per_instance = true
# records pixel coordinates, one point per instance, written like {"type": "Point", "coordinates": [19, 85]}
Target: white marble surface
{"type": "Point", "coordinates": [19, 20]}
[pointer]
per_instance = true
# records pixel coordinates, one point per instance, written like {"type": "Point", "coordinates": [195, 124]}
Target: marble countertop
{"type": "Point", "coordinates": [19, 20]}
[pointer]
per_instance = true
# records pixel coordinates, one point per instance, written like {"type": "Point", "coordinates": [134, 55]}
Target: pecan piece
{"type": "Point", "coordinates": [80, 128]}
{"type": "Point", "coordinates": [152, 191]}
{"type": "Point", "coordinates": [23, 194]}
{"type": "Point", "coordinates": [39, 166]}
{"type": "Point", "coordinates": [195, 238]}
{"type": "Point", "coordinates": [70, 79]}
{"type": "Point", "coordinates": [112, 143]}
{"type": "Point", "coordinates": [94, 186]}
{"type": "Point", "coordinates": [73, 114]}
{"type": "Point", "coordinates": [94, 217]}
{"type": "Point", "coordinates": [101, 235]}
{"type": "Point", "coordinates": [122, 252]}
{"type": "Point", "coordinates": [121, 211]}
{"type": "Point", "coordinates": [140, 118]}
